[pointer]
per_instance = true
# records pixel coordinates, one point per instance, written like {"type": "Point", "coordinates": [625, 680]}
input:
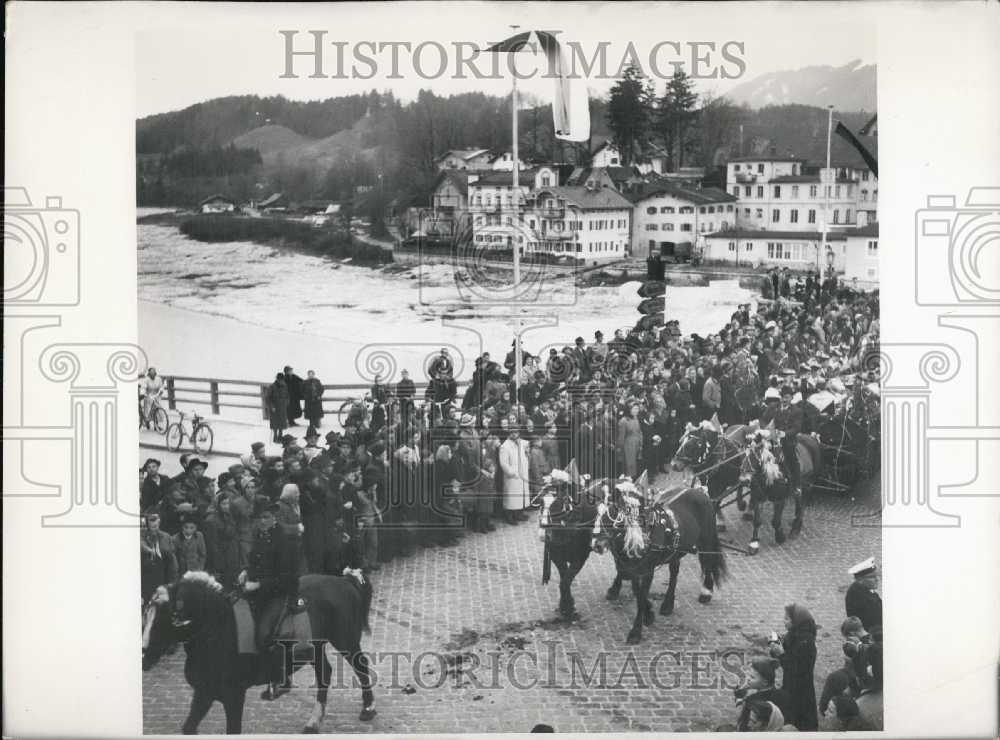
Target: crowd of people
{"type": "Point", "coordinates": [852, 696]}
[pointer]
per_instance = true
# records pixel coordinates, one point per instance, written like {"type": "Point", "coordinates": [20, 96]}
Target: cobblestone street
{"type": "Point", "coordinates": [479, 648]}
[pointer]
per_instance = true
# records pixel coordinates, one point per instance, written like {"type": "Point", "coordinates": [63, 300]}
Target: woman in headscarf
{"type": "Point", "coordinates": [760, 689]}
{"type": "Point", "coordinates": [797, 653]}
{"type": "Point", "coordinates": [765, 716]}
{"type": "Point", "coordinates": [289, 517]}
{"type": "Point", "coordinates": [222, 538]}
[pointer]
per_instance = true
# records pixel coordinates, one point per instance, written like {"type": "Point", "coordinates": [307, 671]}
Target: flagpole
{"type": "Point", "coordinates": [826, 202]}
{"type": "Point", "coordinates": [515, 187]}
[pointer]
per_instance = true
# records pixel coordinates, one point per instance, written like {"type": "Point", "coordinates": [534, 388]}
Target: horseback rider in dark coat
{"type": "Point", "coordinates": [270, 581]}
{"type": "Point", "coordinates": [788, 420]}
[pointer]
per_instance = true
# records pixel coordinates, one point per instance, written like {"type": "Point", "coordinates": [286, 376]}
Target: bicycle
{"type": "Point", "coordinates": [201, 435]}
{"type": "Point", "coordinates": [157, 418]}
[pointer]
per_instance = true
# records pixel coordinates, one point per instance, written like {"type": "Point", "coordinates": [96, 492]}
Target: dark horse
{"type": "Point", "coordinates": [566, 520]}
{"type": "Point", "coordinates": [681, 521]}
{"type": "Point", "coordinates": [715, 458]}
{"type": "Point", "coordinates": [202, 616]}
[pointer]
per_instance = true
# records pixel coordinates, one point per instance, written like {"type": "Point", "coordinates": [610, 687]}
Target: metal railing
{"type": "Point", "coordinates": [219, 394]}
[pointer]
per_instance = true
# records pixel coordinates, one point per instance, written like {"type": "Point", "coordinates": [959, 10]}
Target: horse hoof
{"type": "Point", "coordinates": [612, 594]}
{"type": "Point", "coordinates": [748, 517]}
{"type": "Point", "coordinates": [779, 536]}
{"type": "Point", "coordinates": [367, 714]}
{"type": "Point", "coordinates": [754, 548]}
{"type": "Point", "coordinates": [704, 598]}
{"type": "Point", "coordinates": [796, 530]}
{"type": "Point", "coordinates": [633, 638]}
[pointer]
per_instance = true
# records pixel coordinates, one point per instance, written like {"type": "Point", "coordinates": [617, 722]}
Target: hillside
{"type": "Point", "coordinates": [270, 139]}
{"type": "Point", "coordinates": [851, 87]}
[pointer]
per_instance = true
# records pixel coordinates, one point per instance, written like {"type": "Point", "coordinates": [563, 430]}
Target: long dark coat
{"type": "Point", "coordinates": [278, 403]}
{"type": "Point", "coordinates": [294, 383]}
{"type": "Point", "coordinates": [797, 666]}
{"type": "Point", "coordinates": [312, 394]}
{"type": "Point", "coordinates": [222, 537]}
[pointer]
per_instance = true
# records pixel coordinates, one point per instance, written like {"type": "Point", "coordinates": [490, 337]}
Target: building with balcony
{"type": "Point", "coordinates": [588, 224]}
{"type": "Point", "coordinates": [796, 250]}
{"type": "Point", "coordinates": [668, 219]}
{"type": "Point", "coordinates": [491, 205]}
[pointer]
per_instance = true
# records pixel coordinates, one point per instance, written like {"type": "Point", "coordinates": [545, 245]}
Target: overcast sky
{"type": "Point", "coordinates": [214, 50]}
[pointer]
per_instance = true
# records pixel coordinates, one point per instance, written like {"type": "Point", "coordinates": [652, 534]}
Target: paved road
{"type": "Point", "coordinates": [499, 660]}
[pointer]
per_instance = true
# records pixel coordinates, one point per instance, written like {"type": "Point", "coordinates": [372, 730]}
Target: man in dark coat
{"type": "Point", "coordinates": [269, 582]}
{"type": "Point", "coordinates": [788, 420]}
{"type": "Point", "coordinates": [312, 393]}
{"type": "Point", "coordinates": [861, 600]}
{"type": "Point", "coordinates": [405, 392]}
{"type": "Point", "coordinates": [295, 396]}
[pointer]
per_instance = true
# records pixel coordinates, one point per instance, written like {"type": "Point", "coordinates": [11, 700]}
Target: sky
{"type": "Point", "coordinates": [212, 50]}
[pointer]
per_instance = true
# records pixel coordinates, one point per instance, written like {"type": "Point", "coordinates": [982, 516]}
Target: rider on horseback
{"type": "Point", "coordinates": [787, 420]}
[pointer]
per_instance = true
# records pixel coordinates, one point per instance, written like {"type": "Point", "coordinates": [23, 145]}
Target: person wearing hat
{"type": "Point", "coordinates": [255, 460]}
{"type": "Point", "coordinates": [268, 582]}
{"type": "Point", "coordinates": [154, 485]}
{"type": "Point", "coordinates": [862, 599]}
{"type": "Point", "coordinates": [295, 395]}
{"type": "Point", "coordinates": [156, 549]}
{"type": "Point", "coordinates": [312, 449]}
{"type": "Point", "coordinates": [514, 466]}
{"type": "Point", "coordinates": [312, 395]}
{"type": "Point", "coordinates": [788, 420]}
{"type": "Point", "coordinates": [189, 546]}
{"type": "Point", "coordinates": [760, 687]}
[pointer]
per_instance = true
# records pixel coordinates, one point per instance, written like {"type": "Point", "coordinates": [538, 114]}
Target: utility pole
{"type": "Point", "coordinates": [515, 186]}
{"type": "Point", "coordinates": [826, 192]}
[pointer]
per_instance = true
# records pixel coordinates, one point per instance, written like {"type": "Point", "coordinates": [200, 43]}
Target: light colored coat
{"type": "Point", "coordinates": [514, 464]}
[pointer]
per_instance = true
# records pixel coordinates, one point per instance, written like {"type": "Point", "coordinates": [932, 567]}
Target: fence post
{"type": "Point", "coordinates": [263, 403]}
{"type": "Point", "coordinates": [213, 386]}
{"type": "Point", "coordinates": [171, 400]}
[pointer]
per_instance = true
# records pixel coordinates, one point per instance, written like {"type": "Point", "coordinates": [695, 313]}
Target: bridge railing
{"type": "Point", "coordinates": [247, 396]}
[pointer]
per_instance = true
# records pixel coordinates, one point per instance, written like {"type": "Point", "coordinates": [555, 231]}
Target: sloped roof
{"type": "Point", "coordinates": [869, 230]}
{"type": "Point", "coordinates": [465, 154]}
{"type": "Point", "coordinates": [768, 158]}
{"type": "Point", "coordinates": [458, 178]}
{"type": "Point", "coordinates": [581, 197]}
{"type": "Point", "coordinates": [807, 179]}
{"type": "Point", "coordinates": [271, 200]}
{"type": "Point", "coordinates": [697, 196]}
{"type": "Point", "coordinates": [497, 177]}
{"type": "Point", "coordinates": [217, 196]}
{"type": "Point", "coordinates": [810, 236]}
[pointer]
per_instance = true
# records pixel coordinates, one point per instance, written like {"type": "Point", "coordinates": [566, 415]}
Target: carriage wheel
{"type": "Point", "coordinates": [174, 437]}
{"type": "Point", "coordinates": [203, 438]}
{"type": "Point", "coordinates": [160, 420]}
{"type": "Point", "coordinates": [344, 412]}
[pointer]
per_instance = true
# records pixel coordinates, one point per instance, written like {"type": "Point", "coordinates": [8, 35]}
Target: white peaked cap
{"type": "Point", "coordinates": [863, 568]}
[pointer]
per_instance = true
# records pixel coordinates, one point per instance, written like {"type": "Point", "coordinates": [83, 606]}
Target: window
{"type": "Point", "coordinates": [667, 209]}
{"type": "Point", "coordinates": [651, 210]}
{"type": "Point", "coordinates": [685, 227]}
{"type": "Point", "coordinates": [795, 191]}
{"type": "Point", "coordinates": [531, 223]}
{"type": "Point", "coordinates": [748, 247]}
{"type": "Point", "coordinates": [872, 272]}
{"type": "Point", "coordinates": [847, 216]}
{"type": "Point", "coordinates": [836, 191]}
{"type": "Point", "coordinates": [701, 210]}
{"type": "Point", "coordinates": [746, 213]}
{"type": "Point", "coordinates": [760, 169]}
{"type": "Point", "coordinates": [614, 160]}
{"type": "Point", "coordinates": [812, 191]}
{"type": "Point", "coordinates": [812, 215]}
{"type": "Point", "coordinates": [747, 190]}
{"type": "Point", "coordinates": [732, 246]}
{"type": "Point", "coordinates": [687, 209]}
{"type": "Point", "coordinates": [652, 244]}
{"type": "Point", "coordinates": [827, 191]}
{"type": "Point", "coordinates": [873, 247]}
{"type": "Point", "coordinates": [864, 195]}
{"type": "Point", "coordinates": [759, 213]}
{"type": "Point", "coordinates": [736, 168]}
{"type": "Point", "coordinates": [777, 192]}
{"type": "Point", "coordinates": [775, 215]}
{"type": "Point", "coordinates": [875, 195]}
{"type": "Point", "coordinates": [479, 221]}
{"type": "Point", "coordinates": [836, 216]}
{"type": "Point", "coordinates": [760, 191]}
{"type": "Point", "coordinates": [864, 176]}
{"type": "Point", "coordinates": [509, 220]}
{"type": "Point", "coordinates": [729, 208]}
{"type": "Point", "coordinates": [793, 215]}
{"type": "Point", "coordinates": [651, 227]}
{"type": "Point", "coordinates": [545, 181]}
{"type": "Point", "coordinates": [668, 227]}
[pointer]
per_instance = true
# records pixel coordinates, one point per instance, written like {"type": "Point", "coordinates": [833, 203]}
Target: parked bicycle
{"type": "Point", "coordinates": [157, 417]}
{"type": "Point", "coordinates": [201, 435]}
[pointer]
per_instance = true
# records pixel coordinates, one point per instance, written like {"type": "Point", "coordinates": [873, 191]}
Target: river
{"type": "Point", "coordinates": [242, 310]}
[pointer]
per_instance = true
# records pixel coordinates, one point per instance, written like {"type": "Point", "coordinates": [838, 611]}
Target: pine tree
{"type": "Point", "coordinates": [676, 118]}
{"type": "Point", "coordinates": [629, 113]}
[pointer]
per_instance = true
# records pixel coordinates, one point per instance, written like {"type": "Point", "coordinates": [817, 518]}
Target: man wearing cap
{"type": "Point", "coordinates": [268, 582]}
{"type": "Point", "coordinates": [254, 462]}
{"type": "Point", "coordinates": [312, 448]}
{"type": "Point", "coordinates": [862, 600]}
{"type": "Point", "coordinates": [788, 420]}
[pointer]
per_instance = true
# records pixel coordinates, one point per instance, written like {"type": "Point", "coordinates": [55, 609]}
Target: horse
{"type": "Point", "coordinates": [566, 519]}
{"type": "Point", "coordinates": [761, 473]}
{"type": "Point", "coordinates": [202, 616]}
{"type": "Point", "coordinates": [845, 446]}
{"type": "Point", "coordinates": [686, 521]}
{"type": "Point", "coordinates": [715, 458]}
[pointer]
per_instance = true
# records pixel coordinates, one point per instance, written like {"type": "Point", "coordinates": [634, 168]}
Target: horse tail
{"type": "Point", "coordinates": [366, 603]}
{"type": "Point", "coordinates": [713, 561]}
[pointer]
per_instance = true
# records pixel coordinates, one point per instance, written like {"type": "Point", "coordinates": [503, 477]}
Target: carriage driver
{"type": "Point", "coordinates": [270, 578]}
{"type": "Point", "coordinates": [788, 420]}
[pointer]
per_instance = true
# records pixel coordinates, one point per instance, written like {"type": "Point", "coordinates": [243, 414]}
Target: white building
{"type": "Point", "coordinates": [668, 219]}
{"type": "Point", "coordinates": [589, 223]}
{"type": "Point", "coordinates": [782, 193]}
{"type": "Point", "coordinates": [217, 204]}
{"type": "Point", "coordinates": [491, 202]}
{"type": "Point", "coordinates": [861, 258]}
{"type": "Point", "coordinates": [504, 162]}
{"type": "Point", "coordinates": [796, 250]}
{"type": "Point", "coordinates": [606, 155]}
{"type": "Point", "coordinates": [464, 159]}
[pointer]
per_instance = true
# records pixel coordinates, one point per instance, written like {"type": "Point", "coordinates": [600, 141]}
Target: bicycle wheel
{"type": "Point", "coordinates": [203, 438]}
{"type": "Point", "coordinates": [175, 435]}
{"type": "Point", "coordinates": [160, 420]}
